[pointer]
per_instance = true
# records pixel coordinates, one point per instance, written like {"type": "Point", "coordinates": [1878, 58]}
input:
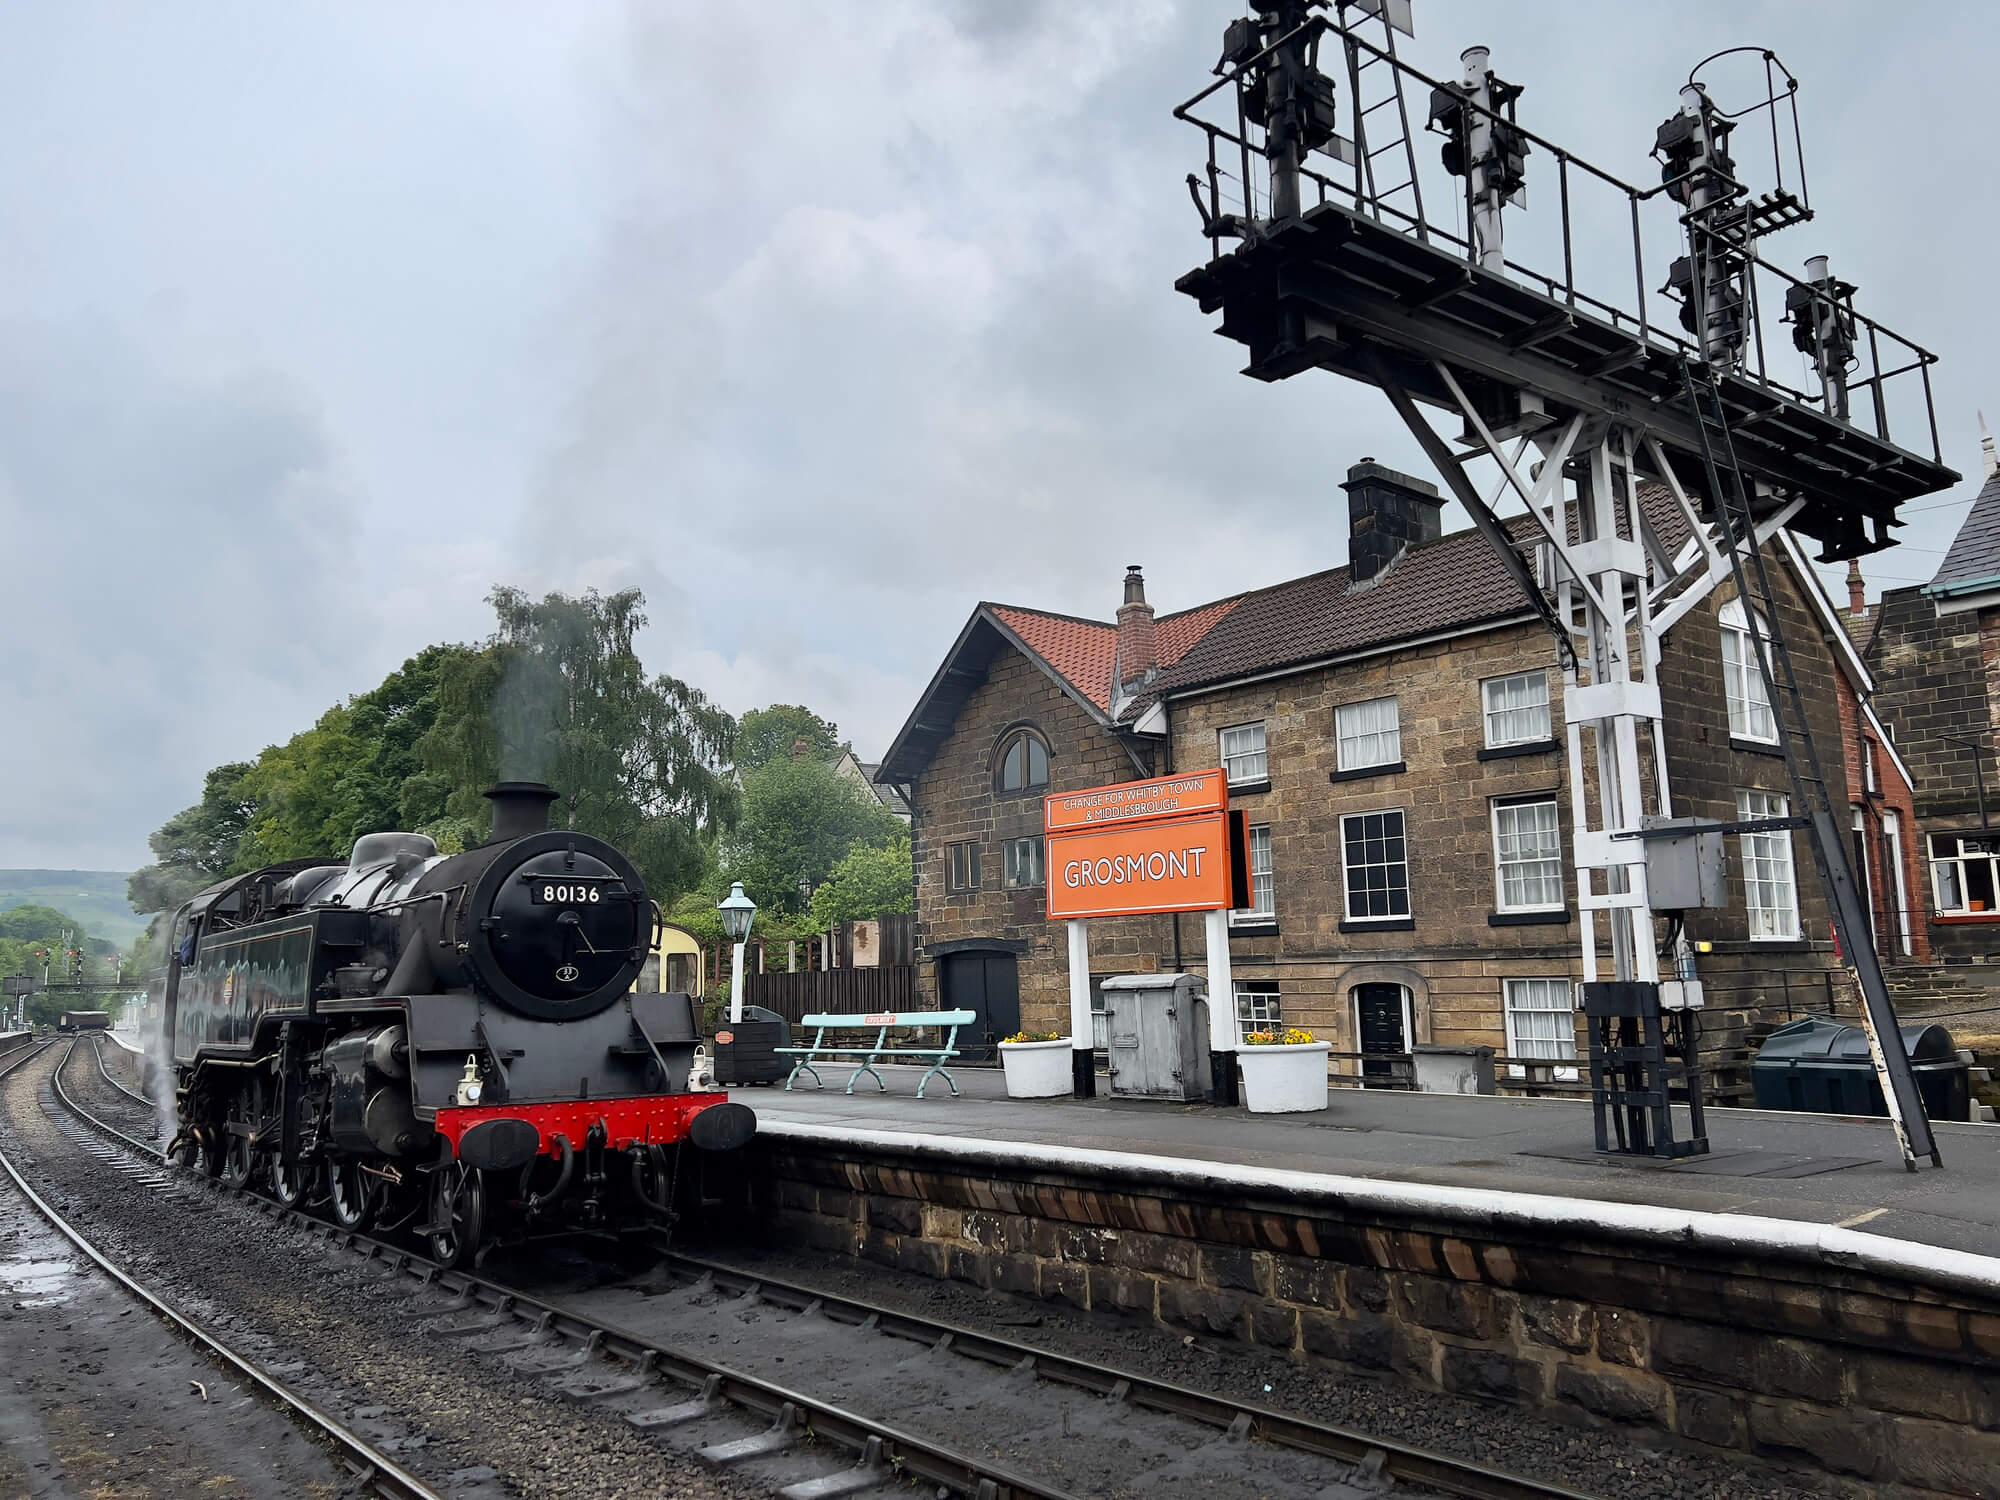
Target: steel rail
{"type": "Point", "coordinates": [1442, 1472]}
{"type": "Point", "coordinates": [1438, 1471]}
{"type": "Point", "coordinates": [372, 1467]}
{"type": "Point", "coordinates": [130, 1093]}
{"type": "Point", "coordinates": [873, 1442]}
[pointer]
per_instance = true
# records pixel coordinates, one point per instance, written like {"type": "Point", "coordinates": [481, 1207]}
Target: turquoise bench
{"type": "Point", "coordinates": [881, 1023]}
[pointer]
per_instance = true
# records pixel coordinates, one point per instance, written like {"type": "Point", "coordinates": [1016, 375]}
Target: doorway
{"type": "Point", "coordinates": [987, 984]}
{"type": "Point", "coordinates": [1382, 1025]}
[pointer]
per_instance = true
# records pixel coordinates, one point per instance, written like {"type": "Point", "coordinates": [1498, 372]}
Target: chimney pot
{"type": "Point", "coordinates": [1857, 589]}
{"type": "Point", "coordinates": [520, 808]}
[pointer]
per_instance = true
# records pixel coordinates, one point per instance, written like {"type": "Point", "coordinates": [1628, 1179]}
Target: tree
{"type": "Point", "coordinates": [868, 883]}
{"type": "Point", "coordinates": [199, 845]}
{"type": "Point", "coordinates": [767, 733]}
{"type": "Point", "coordinates": [800, 819]}
{"type": "Point", "coordinates": [557, 694]}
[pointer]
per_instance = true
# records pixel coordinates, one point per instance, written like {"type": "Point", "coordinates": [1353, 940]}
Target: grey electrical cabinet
{"type": "Point", "coordinates": [1685, 871]}
{"type": "Point", "coordinates": [1156, 1036]}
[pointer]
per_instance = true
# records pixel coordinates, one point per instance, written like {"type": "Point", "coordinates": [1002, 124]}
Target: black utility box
{"type": "Point", "coordinates": [747, 1050]}
{"type": "Point", "coordinates": [1822, 1066]}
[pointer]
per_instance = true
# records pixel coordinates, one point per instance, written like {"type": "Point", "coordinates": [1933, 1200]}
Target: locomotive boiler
{"type": "Point", "coordinates": [471, 1045]}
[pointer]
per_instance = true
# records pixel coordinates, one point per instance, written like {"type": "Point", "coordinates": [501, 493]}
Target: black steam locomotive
{"type": "Point", "coordinates": [471, 1045]}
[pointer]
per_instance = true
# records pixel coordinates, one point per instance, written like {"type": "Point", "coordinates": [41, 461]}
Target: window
{"type": "Point", "coordinates": [1964, 874]}
{"type": "Point", "coordinates": [1862, 874]}
{"type": "Point", "coordinates": [1517, 709]}
{"type": "Point", "coordinates": [1527, 855]}
{"type": "Point", "coordinates": [1769, 894]}
{"type": "Point", "coordinates": [1743, 680]}
{"type": "Point", "coordinates": [1243, 758]}
{"type": "Point", "coordinates": [1367, 734]}
{"type": "Point", "coordinates": [1540, 1022]}
{"type": "Point", "coordinates": [1024, 762]}
{"type": "Point", "coordinates": [1871, 774]}
{"type": "Point", "coordinates": [1021, 863]}
{"type": "Point", "coordinates": [961, 867]}
{"type": "Point", "coordinates": [1257, 1007]}
{"type": "Point", "coordinates": [1376, 865]}
{"type": "Point", "coordinates": [1263, 905]}
{"type": "Point", "coordinates": [1898, 887]}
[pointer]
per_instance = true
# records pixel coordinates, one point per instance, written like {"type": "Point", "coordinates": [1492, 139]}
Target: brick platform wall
{"type": "Point", "coordinates": [1860, 1374]}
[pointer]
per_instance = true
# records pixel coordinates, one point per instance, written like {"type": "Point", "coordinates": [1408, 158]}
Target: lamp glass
{"type": "Point", "coordinates": [737, 911]}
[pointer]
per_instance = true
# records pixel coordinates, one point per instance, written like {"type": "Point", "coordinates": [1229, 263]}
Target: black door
{"type": "Point", "coordinates": [1380, 1007]}
{"type": "Point", "coordinates": [987, 984]}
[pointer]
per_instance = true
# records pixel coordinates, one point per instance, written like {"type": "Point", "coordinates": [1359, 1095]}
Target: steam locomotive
{"type": "Point", "coordinates": [470, 1046]}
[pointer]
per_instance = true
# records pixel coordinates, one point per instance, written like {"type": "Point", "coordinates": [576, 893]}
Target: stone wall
{"type": "Point", "coordinates": [1789, 1356]}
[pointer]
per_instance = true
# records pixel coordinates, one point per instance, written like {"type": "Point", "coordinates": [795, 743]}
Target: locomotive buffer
{"type": "Point", "coordinates": [1328, 251]}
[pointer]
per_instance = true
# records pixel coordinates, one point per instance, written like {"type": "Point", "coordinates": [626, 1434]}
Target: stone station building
{"type": "Point", "coordinates": [1393, 730]}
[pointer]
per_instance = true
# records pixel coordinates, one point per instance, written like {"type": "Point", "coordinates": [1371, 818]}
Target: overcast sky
{"type": "Point", "coordinates": [318, 321]}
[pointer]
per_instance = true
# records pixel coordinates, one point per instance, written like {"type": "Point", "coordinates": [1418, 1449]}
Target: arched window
{"type": "Point", "coordinates": [1742, 681]}
{"type": "Point", "coordinates": [1024, 762]}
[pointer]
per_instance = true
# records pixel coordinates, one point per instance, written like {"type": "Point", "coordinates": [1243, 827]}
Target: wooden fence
{"type": "Point", "coordinates": [839, 991]}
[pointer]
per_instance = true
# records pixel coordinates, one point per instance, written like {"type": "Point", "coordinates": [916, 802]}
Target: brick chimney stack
{"type": "Point", "coordinates": [1387, 514]}
{"type": "Point", "coordinates": [1857, 591]}
{"type": "Point", "coordinates": [1138, 647]}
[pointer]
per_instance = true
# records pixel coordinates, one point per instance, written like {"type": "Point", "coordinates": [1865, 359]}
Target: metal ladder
{"type": "Point", "coordinates": [1812, 804]}
{"type": "Point", "coordinates": [1369, 196]}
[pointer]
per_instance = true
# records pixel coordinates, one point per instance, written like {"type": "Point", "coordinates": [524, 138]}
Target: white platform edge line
{"type": "Point", "coordinates": [1740, 1233]}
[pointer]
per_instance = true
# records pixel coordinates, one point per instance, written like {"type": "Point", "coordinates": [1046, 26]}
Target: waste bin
{"type": "Point", "coordinates": [1822, 1066]}
{"type": "Point", "coordinates": [746, 1051]}
{"type": "Point", "coordinates": [1156, 1036]}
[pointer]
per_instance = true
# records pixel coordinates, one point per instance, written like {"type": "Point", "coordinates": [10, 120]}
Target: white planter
{"type": "Point", "coordinates": [1284, 1080]}
{"type": "Point", "coordinates": [1037, 1070]}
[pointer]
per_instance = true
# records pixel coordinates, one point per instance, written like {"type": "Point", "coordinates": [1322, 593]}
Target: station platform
{"type": "Point", "coordinates": [1813, 1169]}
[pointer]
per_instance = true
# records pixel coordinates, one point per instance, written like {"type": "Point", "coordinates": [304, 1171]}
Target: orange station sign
{"type": "Point", "coordinates": [1139, 847]}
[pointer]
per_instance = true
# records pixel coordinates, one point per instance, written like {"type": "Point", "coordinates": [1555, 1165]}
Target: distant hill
{"type": "Point", "coordinates": [95, 898]}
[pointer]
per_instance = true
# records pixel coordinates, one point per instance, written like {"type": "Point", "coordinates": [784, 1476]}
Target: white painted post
{"type": "Point", "coordinates": [1083, 1072]}
{"type": "Point", "coordinates": [1221, 1009]}
{"type": "Point", "coordinates": [736, 986]}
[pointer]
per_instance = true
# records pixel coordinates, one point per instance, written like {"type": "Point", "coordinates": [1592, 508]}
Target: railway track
{"type": "Point", "coordinates": [599, 1358]}
{"type": "Point", "coordinates": [376, 1471]}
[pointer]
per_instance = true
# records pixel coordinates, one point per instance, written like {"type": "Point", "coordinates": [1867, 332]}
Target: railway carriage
{"type": "Point", "coordinates": [477, 1045]}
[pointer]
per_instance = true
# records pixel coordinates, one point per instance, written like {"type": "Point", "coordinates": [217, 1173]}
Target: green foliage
{"type": "Point", "coordinates": [29, 932]}
{"type": "Point", "coordinates": [199, 845]}
{"type": "Point", "coordinates": [558, 694]}
{"type": "Point", "coordinates": [768, 733]}
{"type": "Point", "coordinates": [95, 898]}
{"type": "Point", "coordinates": [801, 818]}
{"type": "Point", "coordinates": [868, 883]}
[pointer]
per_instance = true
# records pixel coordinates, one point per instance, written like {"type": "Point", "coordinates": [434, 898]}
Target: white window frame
{"type": "Point", "coordinates": [1957, 862]}
{"type": "Point", "coordinates": [1758, 850]}
{"type": "Point", "coordinates": [1347, 743]}
{"type": "Point", "coordinates": [1258, 995]}
{"type": "Point", "coordinates": [1231, 761]}
{"type": "Point", "coordinates": [1490, 713]}
{"type": "Point", "coordinates": [1864, 873]}
{"type": "Point", "coordinates": [1517, 1044]}
{"type": "Point", "coordinates": [1500, 862]}
{"type": "Point", "coordinates": [1347, 869]}
{"type": "Point", "coordinates": [1263, 907]}
{"type": "Point", "coordinates": [961, 867]}
{"type": "Point", "coordinates": [1871, 775]}
{"type": "Point", "coordinates": [1010, 861]}
{"type": "Point", "coordinates": [1742, 682]}
{"type": "Point", "coordinates": [1899, 885]}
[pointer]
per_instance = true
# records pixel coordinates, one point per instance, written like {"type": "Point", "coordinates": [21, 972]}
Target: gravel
{"type": "Point", "coordinates": [1545, 1446]}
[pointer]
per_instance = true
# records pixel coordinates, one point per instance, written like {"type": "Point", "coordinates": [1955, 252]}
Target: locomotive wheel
{"type": "Point", "coordinates": [288, 1181]}
{"type": "Point", "coordinates": [238, 1161]}
{"type": "Point", "coordinates": [350, 1196]}
{"type": "Point", "coordinates": [458, 1207]}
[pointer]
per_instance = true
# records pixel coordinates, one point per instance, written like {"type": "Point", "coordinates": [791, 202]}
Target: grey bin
{"type": "Point", "coordinates": [1156, 1036]}
{"type": "Point", "coordinates": [1822, 1066]}
{"type": "Point", "coordinates": [750, 1055]}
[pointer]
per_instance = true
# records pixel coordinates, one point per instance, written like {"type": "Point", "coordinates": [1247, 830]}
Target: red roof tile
{"type": "Point", "coordinates": [1086, 651]}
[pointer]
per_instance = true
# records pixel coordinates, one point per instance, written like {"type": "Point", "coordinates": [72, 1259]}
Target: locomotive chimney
{"type": "Point", "coordinates": [520, 808]}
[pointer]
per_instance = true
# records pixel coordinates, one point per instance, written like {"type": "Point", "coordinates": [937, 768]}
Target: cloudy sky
{"type": "Point", "coordinates": [318, 320]}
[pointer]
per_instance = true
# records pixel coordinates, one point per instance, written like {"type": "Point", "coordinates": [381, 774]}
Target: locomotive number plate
{"type": "Point", "coordinates": [566, 893]}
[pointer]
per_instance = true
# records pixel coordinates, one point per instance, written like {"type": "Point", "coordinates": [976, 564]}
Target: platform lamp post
{"type": "Point", "coordinates": [737, 911]}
